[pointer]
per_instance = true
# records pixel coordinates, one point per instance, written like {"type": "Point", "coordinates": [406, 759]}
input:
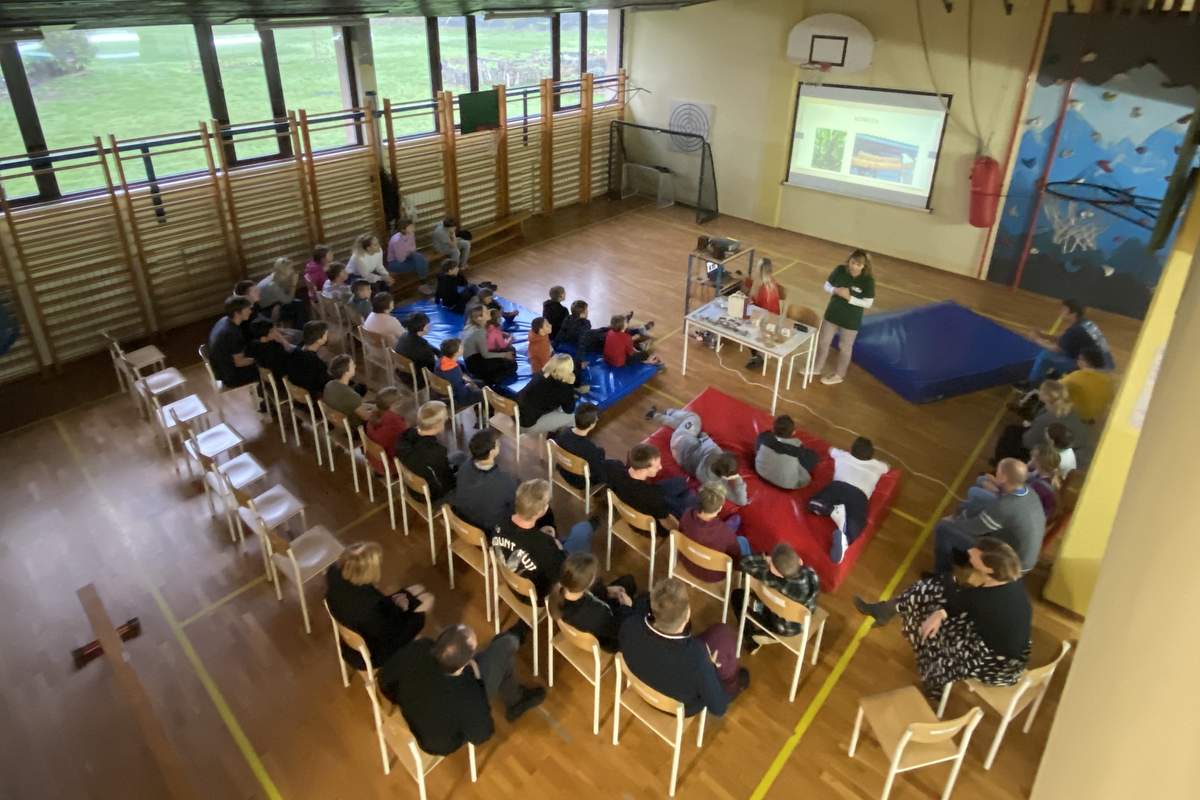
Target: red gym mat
{"type": "Point", "coordinates": [774, 514]}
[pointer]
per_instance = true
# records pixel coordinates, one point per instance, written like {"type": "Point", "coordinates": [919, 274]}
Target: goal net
{"type": "Point", "coordinates": [670, 166]}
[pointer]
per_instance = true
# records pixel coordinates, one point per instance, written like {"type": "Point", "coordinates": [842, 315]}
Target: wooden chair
{"type": "Point", "coordinates": [583, 652]}
{"type": "Point", "coordinates": [638, 530]}
{"type": "Point", "coordinates": [504, 415]}
{"type": "Point", "coordinates": [404, 366]}
{"type": "Point", "coordinates": [812, 622]}
{"type": "Point", "coordinates": [375, 358]}
{"type": "Point", "coordinates": [333, 314]}
{"type": "Point", "coordinates": [211, 443]}
{"type": "Point", "coordinates": [355, 642]}
{"type": "Point", "coordinates": [336, 429]}
{"type": "Point", "coordinates": [705, 558]}
{"type": "Point", "coordinates": [301, 559]}
{"type": "Point", "coordinates": [300, 403]}
{"type": "Point", "coordinates": [273, 509]}
{"type": "Point", "coordinates": [510, 587]}
{"type": "Point", "coordinates": [468, 543]}
{"type": "Point", "coordinates": [813, 319]}
{"type": "Point", "coordinates": [220, 480]}
{"type": "Point", "coordinates": [272, 395]}
{"type": "Point", "coordinates": [218, 386]}
{"type": "Point", "coordinates": [394, 735]}
{"type": "Point", "coordinates": [906, 727]}
{"type": "Point", "coordinates": [556, 456]}
{"type": "Point", "coordinates": [422, 503]}
{"type": "Point", "coordinates": [373, 452]}
{"type": "Point", "coordinates": [1009, 701]}
{"type": "Point", "coordinates": [663, 715]}
{"type": "Point", "coordinates": [139, 359]}
{"type": "Point", "coordinates": [440, 389]}
{"type": "Point", "coordinates": [167, 418]}
{"type": "Point", "coordinates": [157, 386]}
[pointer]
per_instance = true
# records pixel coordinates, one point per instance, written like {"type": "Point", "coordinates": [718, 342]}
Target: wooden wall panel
{"type": "Point", "coordinates": [347, 196]}
{"type": "Point", "coordinates": [524, 167]}
{"type": "Point", "coordinates": [419, 178]}
{"type": "Point", "coordinates": [22, 357]}
{"type": "Point", "coordinates": [476, 160]}
{"type": "Point", "coordinates": [601, 123]}
{"type": "Point", "coordinates": [271, 215]}
{"type": "Point", "coordinates": [566, 159]}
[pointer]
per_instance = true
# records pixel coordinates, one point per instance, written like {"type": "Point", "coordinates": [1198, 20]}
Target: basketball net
{"type": "Point", "coordinates": [819, 69]}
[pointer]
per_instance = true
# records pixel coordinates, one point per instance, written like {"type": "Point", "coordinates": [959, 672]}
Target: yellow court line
{"type": "Point", "coordinates": [245, 587]}
{"type": "Point", "coordinates": [907, 516]}
{"type": "Point", "coordinates": [206, 680]}
{"type": "Point", "coordinates": [678, 403]}
{"type": "Point", "coordinates": [361, 518]}
{"type": "Point", "coordinates": [843, 662]}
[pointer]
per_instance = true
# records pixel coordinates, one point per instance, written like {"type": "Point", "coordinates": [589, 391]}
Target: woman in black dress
{"type": "Point", "coordinates": [386, 622]}
{"type": "Point", "coordinates": [583, 602]}
{"type": "Point", "coordinates": [978, 631]}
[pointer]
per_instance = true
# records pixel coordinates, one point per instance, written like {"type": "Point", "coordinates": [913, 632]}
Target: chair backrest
{"type": "Point", "coordinates": [272, 541]}
{"type": "Point", "coordinates": [375, 453]}
{"type": "Point", "coordinates": [267, 379]}
{"type": "Point", "coordinates": [667, 705]}
{"type": "Point", "coordinates": [499, 402]}
{"type": "Point", "coordinates": [808, 316]}
{"type": "Point", "coordinates": [943, 730]}
{"type": "Point", "coordinates": [355, 642]}
{"type": "Point", "coordinates": [298, 393]}
{"type": "Point", "coordinates": [439, 386]}
{"type": "Point", "coordinates": [464, 530]}
{"type": "Point", "coordinates": [636, 519]}
{"type": "Point", "coordinates": [114, 346]}
{"type": "Point", "coordinates": [413, 482]}
{"type": "Point", "coordinates": [334, 418]}
{"type": "Point", "coordinates": [405, 363]}
{"type": "Point", "coordinates": [701, 556]}
{"type": "Point", "coordinates": [517, 584]}
{"type": "Point", "coordinates": [559, 457]}
{"type": "Point", "coordinates": [780, 604]}
{"type": "Point", "coordinates": [580, 639]}
{"type": "Point", "coordinates": [1034, 678]}
{"type": "Point", "coordinates": [375, 347]}
{"type": "Point", "coordinates": [189, 432]}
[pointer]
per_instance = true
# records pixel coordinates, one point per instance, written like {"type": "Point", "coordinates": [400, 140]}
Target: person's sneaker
{"type": "Point", "coordinates": [831, 380]}
{"type": "Point", "coordinates": [629, 317]}
{"type": "Point", "coordinates": [837, 550]}
{"type": "Point", "coordinates": [531, 697]}
{"type": "Point", "coordinates": [882, 612]}
{"type": "Point", "coordinates": [754, 363]}
{"type": "Point", "coordinates": [652, 412]}
{"type": "Point", "coordinates": [649, 326]}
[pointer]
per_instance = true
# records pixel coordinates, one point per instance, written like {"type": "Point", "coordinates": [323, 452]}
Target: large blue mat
{"type": "Point", "coordinates": [609, 385]}
{"type": "Point", "coordinates": [932, 352]}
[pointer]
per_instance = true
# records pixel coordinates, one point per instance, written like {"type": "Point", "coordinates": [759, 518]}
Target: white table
{"type": "Point", "coordinates": [711, 318]}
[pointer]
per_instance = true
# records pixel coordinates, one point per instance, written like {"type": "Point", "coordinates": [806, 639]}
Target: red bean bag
{"type": "Point", "coordinates": [776, 515]}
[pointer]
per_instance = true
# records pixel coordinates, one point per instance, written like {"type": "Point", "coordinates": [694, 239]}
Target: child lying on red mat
{"type": "Point", "coordinates": [845, 499]}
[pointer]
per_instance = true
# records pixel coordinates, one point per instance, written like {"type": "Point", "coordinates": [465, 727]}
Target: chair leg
{"type": "Point", "coordinates": [817, 643]}
{"type": "Point", "coordinates": [953, 775]}
{"type": "Point", "coordinates": [487, 594]}
{"type": "Point", "coordinates": [617, 709]}
{"type": "Point", "coordinates": [700, 727]}
{"type": "Point", "coordinates": [471, 758]}
{"type": "Point", "coordinates": [854, 736]}
{"type": "Point", "coordinates": [991, 756]}
{"type": "Point", "coordinates": [391, 506]}
{"type": "Point", "coordinates": [329, 450]}
{"type": "Point", "coordinates": [337, 648]}
{"type": "Point", "coordinates": [1036, 705]}
{"type": "Point", "coordinates": [891, 778]}
{"type": "Point", "coordinates": [550, 664]}
{"type": "Point", "coordinates": [675, 759]}
{"type": "Point", "coordinates": [295, 424]}
{"type": "Point", "coordinates": [354, 470]}
{"type": "Point", "coordinates": [796, 677]}
{"type": "Point", "coordinates": [432, 539]}
{"type": "Point", "coordinates": [450, 560]}
{"type": "Point", "coordinates": [282, 422]}
{"type": "Point", "coordinates": [595, 702]}
{"type": "Point", "coordinates": [303, 603]}
{"type": "Point", "coordinates": [535, 627]}
{"type": "Point", "coordinates": [420, 780]}
{"type": "Point", "coordinates": [941, 709]}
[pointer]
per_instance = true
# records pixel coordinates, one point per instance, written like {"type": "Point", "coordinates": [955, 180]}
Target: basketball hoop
{"type": "Point", "coordinates": [819, 67]}
{"type": "Point", "coordinates": [1122, 203]}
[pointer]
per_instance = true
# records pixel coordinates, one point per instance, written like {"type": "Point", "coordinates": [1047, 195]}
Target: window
{"type": "Point", "coordinates": [568, 56]}
{"type": "Point", "coordinates": [452, 42]}
{"type": "Point", "coordinates": [516, 53]}
{"type": "Point", "coordinates": [130, 82]}
{"type": "Point", "coordinates": [603, 42]}
{"type": "Point", "coordinates": [14, 145]}
{"type": "Point", "coordinates": [402, 68]}
{"type": "Point", "coordinates": [239, 55]}
{"type": "Point", "coordinates": [311, 77]}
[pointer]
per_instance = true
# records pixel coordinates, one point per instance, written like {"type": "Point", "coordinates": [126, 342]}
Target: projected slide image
{"type": "Point", "coordinates": [829, 149]}
{"type": "Point", "coordinates": [883, 159]}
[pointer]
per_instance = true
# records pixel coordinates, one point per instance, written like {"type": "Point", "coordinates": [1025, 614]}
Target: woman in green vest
{"type": "Point", "coordinates": [853, 288]}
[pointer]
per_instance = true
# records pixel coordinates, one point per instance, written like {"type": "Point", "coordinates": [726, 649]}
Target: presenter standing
{"type": "Point", "coordinates": [852, 286]}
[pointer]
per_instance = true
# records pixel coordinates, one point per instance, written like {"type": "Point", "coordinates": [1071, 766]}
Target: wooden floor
{"type": "Point", "coordinates": [257, 707]}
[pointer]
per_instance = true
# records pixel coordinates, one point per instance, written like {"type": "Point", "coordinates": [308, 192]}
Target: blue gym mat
{"type": "Point", "coordinates": [932, 352]}
{"type": "Point", "coordinates": [608, 385]}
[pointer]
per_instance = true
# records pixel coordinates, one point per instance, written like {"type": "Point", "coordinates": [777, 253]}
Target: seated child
{"type": "Point", "coordinates": [497, 340]}
{"type": "Point", "coordinates": [1045, 476]}
{"type": "Point", "coordinates": [1059, 436]}
{"type": "Point", "coordinates": [587, 604]}
{"type": "Point", "coordinates": [486, 297]}
{"type": "Point", "coordinates": [702, 526]}
{"type": "Point", "coordinates": [623, 346]}
{"type": "Point", "coordinates": [698, 455]}
{"type": "Point", "coordinates": [453, 291]}
{"type": "Point", "coordinates": [554, 311]}
{"type": "Point", "coordinates": [846, 498]}
{"type": "Point", "coordinates": [539, 344]}
{"type": "Point", "coordinates": [781, 459]}
{"type": "Point", "coordinates": [335, 287]}
{"type": "Point", "coordinates": [784, 571]}
{"type": "Point", "coordinates": [466, 391]}
{"type": "Point", "coordinates": [575, 327]}
{"type": "Point", "coordinates": [575, 440]}
{"type": "Point", "coordinates": [360, 299]}
{"type": "Point", "coordinates": [387, 423]}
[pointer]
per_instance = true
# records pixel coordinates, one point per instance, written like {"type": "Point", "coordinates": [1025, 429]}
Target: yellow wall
{"type": "Point", "coordinates": [732, 54]}
{"type": "Point", "coordinates": [1074, 575]}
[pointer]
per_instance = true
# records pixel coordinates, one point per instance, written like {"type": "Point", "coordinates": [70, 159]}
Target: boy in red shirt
{"type": "Point", "coordinates": [620, 348]}
{"type": "Point", "coordinates": [385, 427]}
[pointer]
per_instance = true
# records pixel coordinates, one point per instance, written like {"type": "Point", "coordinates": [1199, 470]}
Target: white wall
{"type": "Point", "coordinates": [731, 53]}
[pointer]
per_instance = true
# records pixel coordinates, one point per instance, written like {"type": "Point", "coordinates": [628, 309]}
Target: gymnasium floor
{"type": "Point", "coordinates": [256, 707]}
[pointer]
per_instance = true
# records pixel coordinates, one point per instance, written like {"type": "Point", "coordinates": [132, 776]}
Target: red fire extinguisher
{"type": "Point", "coordinates": [985, 191]}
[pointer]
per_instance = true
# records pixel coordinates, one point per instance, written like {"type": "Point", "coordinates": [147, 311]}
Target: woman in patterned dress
{"type": "Point", "coordinates": [979, 630]}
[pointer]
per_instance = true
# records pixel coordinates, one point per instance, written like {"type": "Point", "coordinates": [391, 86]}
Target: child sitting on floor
{"type": "Point", "coordinates": [466, 392]}
{"type": "Point", "coordinates": [497, 340]}
{"type": "Point", "coordinates": [360, 299]}
{"type": "Point", "coordinates": [452, 291]}
{"type": "Point", "coordinates": [539, 344]}
{"type": "Point", "coordinates": [554, 311]}
{"type": "Point", "coordinates": [846, 498]}
{"type": "Point", "coordinates": [386, 425]}
{"type": "Point", "coordinates": [781, 459]}
{"type": "Point", "coordinates": [575, 327]}
{"type": "Point", "coordinates": [622, 346]}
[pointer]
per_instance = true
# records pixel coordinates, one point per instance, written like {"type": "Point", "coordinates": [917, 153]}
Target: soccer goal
{"type": "Point", "coordinates": [669, 165]}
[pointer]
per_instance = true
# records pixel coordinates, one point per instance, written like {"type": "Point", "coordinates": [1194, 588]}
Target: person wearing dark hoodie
{"type": "Point", "coordinates": [423, 455]}
{"type": "Point", "coordinates": [781, 459]}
